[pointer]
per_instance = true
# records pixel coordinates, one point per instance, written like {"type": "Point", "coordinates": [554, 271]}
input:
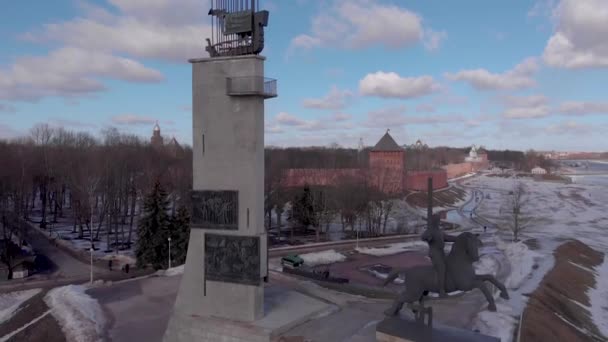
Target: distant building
{"type": "Point", "coordinates": [385, 170]}
{"type": "Point", "coordinates": [157, 139]}
{"type": "Point", "coordinates": [476, 155]}
{"type": "Point", "coordinates": [476, 160]}
{"type": "Point", "coordinates": [539, 171]}
{"type": "Point", "coordinates": [173, 148]}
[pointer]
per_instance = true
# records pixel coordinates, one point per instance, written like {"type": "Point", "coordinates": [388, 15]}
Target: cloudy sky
{"type": "Point", "coordinates": [505, 74]}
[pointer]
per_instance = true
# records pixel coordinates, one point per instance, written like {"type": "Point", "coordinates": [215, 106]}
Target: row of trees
{"type": "Point", "coordinates": [354, 202]}
{"type": "Point", "coordinates": [55, 174]}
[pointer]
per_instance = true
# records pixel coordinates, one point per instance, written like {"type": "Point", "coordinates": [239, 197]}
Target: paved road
{"type": "Point", "coordinates": [137, 310]}
{"type": "Point", "coordinates": [66, 266]}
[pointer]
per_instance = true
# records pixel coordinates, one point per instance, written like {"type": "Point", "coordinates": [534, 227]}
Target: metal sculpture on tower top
{"type": "Point", "coordinates": [237, 28]}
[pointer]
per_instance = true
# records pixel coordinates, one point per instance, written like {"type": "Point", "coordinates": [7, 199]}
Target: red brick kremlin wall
{"type": "Point", "coordinates": [319, 177]}
{"type": "Point", "coordinates": [418, 180]}
{"type": "Point", "coordinates": [460, 169]}
{"type": "Point", "coordinates": [390, 181]}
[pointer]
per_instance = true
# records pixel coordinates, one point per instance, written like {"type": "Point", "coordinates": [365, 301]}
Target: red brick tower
{"type": "Point", "coordinates": [387, 164]}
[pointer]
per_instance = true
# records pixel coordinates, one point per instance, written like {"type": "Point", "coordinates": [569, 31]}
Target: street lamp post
{"type": "Point", "coordinates": [169, 239]}
{"type": "Point", "coordinates": [91, 239]}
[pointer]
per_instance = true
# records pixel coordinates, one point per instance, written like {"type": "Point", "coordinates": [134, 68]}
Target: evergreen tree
{"type": "Point", "coordinates": [303, 210]}
{"type": "Point", "coordinates": [180, 235]}
{"type": "Point", "coordinates": [153, 230]}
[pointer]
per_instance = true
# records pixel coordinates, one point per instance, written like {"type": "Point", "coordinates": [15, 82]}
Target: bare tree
{"type": "Point", "coordinates": [515, 210]}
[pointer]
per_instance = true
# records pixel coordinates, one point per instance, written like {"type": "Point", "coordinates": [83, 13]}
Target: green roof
{"type": "Point", "coordinates": [387, 144]}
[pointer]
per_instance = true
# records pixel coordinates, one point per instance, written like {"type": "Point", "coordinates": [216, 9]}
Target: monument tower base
{"type": "Point", "coordinates": [283, 310]}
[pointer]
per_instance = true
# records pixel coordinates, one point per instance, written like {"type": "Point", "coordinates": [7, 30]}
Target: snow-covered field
{"type": "Point", "coordinates": [393, 248]}
{"type": "Point", "coordinates": [560, 211]}
{"type": "Point", "coordinates": [80, 316]}
{"type": "Point", "coordinates": [10, 302]}
{"type": "Point", "coordinates": [63, 233]}
{"type": "Point", "coordinates": [322, 258]}
{"type": "Point", "coordinates": [170, 272]}
{"type": "Point", "coordinates": [599, 296]}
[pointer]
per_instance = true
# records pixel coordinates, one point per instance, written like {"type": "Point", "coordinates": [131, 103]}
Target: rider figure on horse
{"type": "Point", "coordinates": [436, 239]}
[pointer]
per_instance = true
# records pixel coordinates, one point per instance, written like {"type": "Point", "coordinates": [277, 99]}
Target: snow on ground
{"type": "Point", "coordinates": [63, 233]}
{"type": "Point", "coordinates": [462, 177]}
{"type": "Point", "coordinates": [598, 297]}
{"type": "Point", "coordinates": [498, 324]}
{"type": "Point", "coordinates": [561, 211]}
{"type": "Point", "coordinates": [521, 259]}
{"type": "Point", "coordinates": [120, 260]}
{"type": "Point", "coordinates": [382, 275]}
{"type": "Point", "coordinates": [80, 316]}
{"type": "Point", "coordinates": [274, 264]}
{"type": "Point", "coordinates": [322, 258]}
{"type": "Point", "coordinates": [487, 264]}
{"type": "Point", "coordinates": [393, 248]}
{"type": "Point", "coordinates": [170, 272]}
{"type": "Point", "coordinates": [10, 302]}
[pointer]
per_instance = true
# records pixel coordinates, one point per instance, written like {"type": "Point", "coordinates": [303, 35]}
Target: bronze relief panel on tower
{"type": "Point", "coordinates": [215, 209]}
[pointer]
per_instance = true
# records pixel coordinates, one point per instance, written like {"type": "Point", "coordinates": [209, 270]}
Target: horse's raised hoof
{"type": "Point", "coordinates": [492, 307]}
{"type": "Point", "coordinates": [504, 295]}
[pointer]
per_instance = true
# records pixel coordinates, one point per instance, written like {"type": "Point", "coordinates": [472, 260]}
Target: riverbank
{"type": "Point", "coordinates": [560, 308]}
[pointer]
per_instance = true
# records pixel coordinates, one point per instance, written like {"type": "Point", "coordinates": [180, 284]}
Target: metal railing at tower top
{"type": "Point", "coordinates": [251, 86]}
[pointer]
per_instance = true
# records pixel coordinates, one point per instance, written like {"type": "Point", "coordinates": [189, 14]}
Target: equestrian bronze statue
{"type": "Point", "coordinates": [436, 239]}
{"type": "Point", "coordinates": [459, 275]}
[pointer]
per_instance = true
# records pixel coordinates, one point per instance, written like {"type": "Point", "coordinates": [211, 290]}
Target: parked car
{"type": "Point", "coordinates": [292, 261]}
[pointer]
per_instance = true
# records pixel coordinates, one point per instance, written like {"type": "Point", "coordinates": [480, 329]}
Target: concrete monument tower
{"type": "Point", "coordinates": [221, 295]}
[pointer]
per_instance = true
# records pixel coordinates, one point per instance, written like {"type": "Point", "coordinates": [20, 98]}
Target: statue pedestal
{"type": "Point", "coordinates": [396, 329]}
{"type": "Point", "coordinates": [283, 310]}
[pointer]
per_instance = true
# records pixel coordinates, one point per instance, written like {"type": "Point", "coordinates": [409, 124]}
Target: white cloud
{"type": "Point", "coordinates": [525, 107]}
{"type": "Point", "coordinates": [7, 132]}
{"type": "Point", "coordinates": [305, 41]}
{"type": "Point", "coordinates": [432, 39]}
{"type": "Point", "coordinates": [273, 128]}
{"type": "Point", "coordinates": [473, 123]}
{"type": "Point", "coordinates": [6, 108]}
{"type": "Point", "coordinates": [569, 128]}
{"type": "Point", "coordinates": [391, 85]}
{"type": "Point", "coordinates": [287, 119]}
{"type": "Point", "coordinates": [525, 101]}
{"type": "Point", "coordinates": [363, 23]}
{"type": "Point", "coordinates": [521, 76]}
{"type": "Point", "coordinates": [583, 108]}
{"type": "Point", "coordinates": [387, 117]}
{"type": "Point", "coordinates": [425, 108]}
{"type": "Point", "coordinates": [132, 119]}
{"type": "Point", "coordinates": [542, 8]}
{"type": "Point", "coordinates": [526, 112]}
{"type": "Point", "coordinates": [579, 40]}
{"type": "Point", "coordinates": [341, 117]}
{"type": "Point", "coordinates": [170, 30]}
{"type": "Point", "coordinates": [395, 117]}
{"type": "Point", "coordinates": [67, 72]}
{"type": "Point", "coordinates": [59, 122]}
{"type": "Point", "coordinates": [336, 99]}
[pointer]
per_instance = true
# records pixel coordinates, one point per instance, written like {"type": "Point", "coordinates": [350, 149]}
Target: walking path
{"type": "Point", "coordinates": [66, 269]}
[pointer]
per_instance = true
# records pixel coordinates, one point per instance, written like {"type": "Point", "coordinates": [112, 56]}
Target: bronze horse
{"type": "Point", "coordinates": [460, 276]}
